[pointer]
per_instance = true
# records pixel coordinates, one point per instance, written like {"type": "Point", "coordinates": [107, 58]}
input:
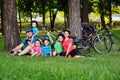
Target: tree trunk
{"type": "Point", "coordinates": [53, 20]}
{"type": "Point", "coordinates": [102, 12]}
{"type": "Point", "coordinates": [43, 12]}
{"type": "Point", "coordinates": [9, 21]}
{"type": "Point", "coordinates": [110, 13]}
{"type": "Point", "coordinates": [84, 17]}
{"type": "Point", "coordinates": [20, 22]}
{"type": "Point", "coordinates": [74, 17]}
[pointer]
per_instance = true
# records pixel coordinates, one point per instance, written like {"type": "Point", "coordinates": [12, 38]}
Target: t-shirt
{"type": "Point", "coordinates": [58, 47]}
{"type": "Point", "coordinates": [37, 49]}
{"type": "Point", "coordinates": [46, 50]}
{"type": "Point", "coordinates": [24, 42]}
{"type": "Point", "coordinates": [66, 43]}
{"type": "Point", "coordinates": [35, 30]}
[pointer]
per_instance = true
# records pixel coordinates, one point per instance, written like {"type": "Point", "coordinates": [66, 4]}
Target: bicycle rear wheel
{"type": "Point", "coordinates": [115, 43]}
{"type": "Point", "coordinates": [83, 47]}
{"type": "Point", "coordinates": [102, 44]}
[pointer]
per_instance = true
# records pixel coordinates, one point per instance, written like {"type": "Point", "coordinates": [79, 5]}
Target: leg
{"type": "Point", "coordinates": [25, 51]}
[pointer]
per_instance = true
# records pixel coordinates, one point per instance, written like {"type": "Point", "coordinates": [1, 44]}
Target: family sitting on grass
{"type": "Point", "coordinates": [63, 45]}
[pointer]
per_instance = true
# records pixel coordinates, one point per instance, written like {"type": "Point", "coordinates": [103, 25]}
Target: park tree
{"type": "Point", "coordinates": [9, 23]}
{"type": "Point", "coordinates": [74, 17]}
{"type": "Point", "coordinates": [84, 11]}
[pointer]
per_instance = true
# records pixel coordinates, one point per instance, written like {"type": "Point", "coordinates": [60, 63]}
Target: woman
{"type": "Point", "coordinates": [68, 46]}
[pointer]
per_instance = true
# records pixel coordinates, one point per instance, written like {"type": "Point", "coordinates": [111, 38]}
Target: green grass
{"type": "Point", "coordinates": [96, 67]}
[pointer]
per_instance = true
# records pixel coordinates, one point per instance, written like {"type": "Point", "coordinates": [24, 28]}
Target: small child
{"type": "Point", "coordinates": [58, 49]}
{"type": "Point", "coordinates": [34, 26]}
{"type": "Point", "coordinates": [46, 49]}
{"type": "Point", "coordinates": [36, 50]}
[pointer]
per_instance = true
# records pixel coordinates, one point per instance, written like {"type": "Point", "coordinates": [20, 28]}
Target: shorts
{"type": "Point", "coordinates": [73, 52]}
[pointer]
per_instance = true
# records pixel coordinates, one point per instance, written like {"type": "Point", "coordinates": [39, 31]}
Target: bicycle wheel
{"type": "Point", "coordinates": [83, 47]}
{"type": "Point", "coordinates": [102, 44]}
{"type": "Point", "coordinates": [115, 42]}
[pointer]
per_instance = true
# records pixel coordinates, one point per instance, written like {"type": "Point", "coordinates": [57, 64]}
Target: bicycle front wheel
{"type": "Point", "coordinates": [115, 43]}
{"type": "Point", "coordinates": [102, 44]}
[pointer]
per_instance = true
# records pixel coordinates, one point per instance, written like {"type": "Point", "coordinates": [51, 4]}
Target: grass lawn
{"type": "Point", "coordinates": [96, 67]}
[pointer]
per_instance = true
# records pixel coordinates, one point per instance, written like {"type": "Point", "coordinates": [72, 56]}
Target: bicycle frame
{"type": "Point", "coordinates": [50, 36]}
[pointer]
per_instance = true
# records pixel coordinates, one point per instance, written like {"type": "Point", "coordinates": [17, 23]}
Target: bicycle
{"type": "Point", "coordinates": [92, 39]}
{"type": "Point", "coordinates": [115, 39]}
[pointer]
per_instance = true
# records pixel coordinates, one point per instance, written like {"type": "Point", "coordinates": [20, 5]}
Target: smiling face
{"type": "Point", "coordinates": [66, 34]}
{"type": "Point", "coordinates": [61, 38]}
{"type": "Point", "coordinates": [29, 34]}
{"type": "Point", "coordinates": [34, 24]}
{"type": "Point", "coordinates": [46, 42]}
{"type": "Point", "coordinates": [37, 44]}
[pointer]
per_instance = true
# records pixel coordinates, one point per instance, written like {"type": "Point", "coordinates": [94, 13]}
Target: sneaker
{"type": "Point", "coordinates": [13, 54]}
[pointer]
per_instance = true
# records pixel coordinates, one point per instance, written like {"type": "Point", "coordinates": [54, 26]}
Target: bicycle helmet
{"type": "Point", "coordinates": [29, 30]}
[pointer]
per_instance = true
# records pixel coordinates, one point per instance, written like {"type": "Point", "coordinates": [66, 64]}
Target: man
{"type": "Point", "coordinates": [28, 41]}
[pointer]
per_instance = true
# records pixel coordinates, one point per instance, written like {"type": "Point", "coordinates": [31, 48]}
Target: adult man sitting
{"type": "Point", "coordinates": [28, 41]}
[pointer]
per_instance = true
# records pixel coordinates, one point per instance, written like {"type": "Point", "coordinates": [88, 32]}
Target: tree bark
{"type": "Point", "coordinates": [43, 11]}
{"type": "Point", "coordinates": [84, 14]}
{"type": "Point", "coordinates": [110, 13]}
{"type": "Point", "coordinates": [102, 12]}
{"type": "Point", "coordinates": [74, 17]}
{"type": "Point", "coordinates": [9, 21]}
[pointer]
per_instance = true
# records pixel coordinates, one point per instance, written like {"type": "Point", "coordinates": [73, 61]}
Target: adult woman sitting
{"type": "Point", "coordinates": [68, 46]}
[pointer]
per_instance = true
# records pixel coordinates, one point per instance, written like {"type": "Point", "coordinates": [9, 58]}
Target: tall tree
{"type": "Point", "coordinates": [9, 23]}
{"type": "Point", "coordinates": [74, 17]}
{"type": "Point", "coordinates": [102, 12]}
{"type": "Point", "coordinates": [84, 11]}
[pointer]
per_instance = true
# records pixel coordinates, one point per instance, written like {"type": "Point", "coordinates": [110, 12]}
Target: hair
{"type": "Point", "coordinates": [60, 35]}
{"type": "Point", "coordinates": [34, 22]}
{"type": "Point", "coordinates": [45, 40]}
{"type": "Point", "coordinates": [66, 30]}
{"type": "Point", "coordinates": [39, 41]}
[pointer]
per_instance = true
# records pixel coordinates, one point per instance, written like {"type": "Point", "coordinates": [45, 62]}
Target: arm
{"type": "Point", "coordinates": [68, 50]}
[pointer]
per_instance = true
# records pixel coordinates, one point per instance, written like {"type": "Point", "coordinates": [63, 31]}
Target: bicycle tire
{"type": "Point", "coordinates": [83, 47]}
{"type": "Point", "coordinates": [115, 42]}
{"type": "Point", "coordinates": [102, 44]}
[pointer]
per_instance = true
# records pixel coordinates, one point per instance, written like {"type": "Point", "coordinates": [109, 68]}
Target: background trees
{"type": "Point", "coordinates": [75, 13]}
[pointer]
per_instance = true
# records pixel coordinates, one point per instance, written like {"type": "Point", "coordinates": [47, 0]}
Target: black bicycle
{"type": "Point", "coordinates": [92, 39]}
{"type": "Point", "coordinates": [114, 39]}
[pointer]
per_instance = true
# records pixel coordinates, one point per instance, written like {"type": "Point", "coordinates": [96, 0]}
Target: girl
{"type": "Point", "coordinates": [34, 26]}
{"type": "Point", "coordinates": [36, 50]}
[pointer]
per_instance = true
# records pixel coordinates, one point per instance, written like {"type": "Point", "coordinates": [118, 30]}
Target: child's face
{"type": "Point", "coordinates": [60, 38]}
{"type": "Point", "coordinates": [37, 44]}
{"type": "Point", "coordinates": [46, 42]}
{"type": "Point", "coordinates": [34, 24]}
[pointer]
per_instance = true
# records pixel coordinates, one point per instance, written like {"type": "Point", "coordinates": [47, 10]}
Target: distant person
{"type": "Point", "coordinates": [46, 49]}
{"type": "Point", "coordinates": [34, 25]}
{"type": "Point", "coordinates": [28, 41]}
{"type": "Point", "coordinates": [36, 50]}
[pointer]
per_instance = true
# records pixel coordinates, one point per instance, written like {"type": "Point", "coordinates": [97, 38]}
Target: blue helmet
{"type": "Point", "coordinates": [29, 30]}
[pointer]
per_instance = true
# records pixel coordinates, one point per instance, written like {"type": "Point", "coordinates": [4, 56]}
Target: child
{"type": "Point", "coordinates": [46, 49]}
{"type": "Point", "coordinates": [34, 25]}
{"type": "Point", "coordinates": [36, 50]}
{"type": "Point", "coordinates": [58, 49]}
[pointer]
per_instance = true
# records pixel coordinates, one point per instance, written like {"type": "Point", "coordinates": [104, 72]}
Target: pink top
{"type": "Point", "coordinates": [37, 49]}
{"type": "Point", "coordinates": [66, 43]}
